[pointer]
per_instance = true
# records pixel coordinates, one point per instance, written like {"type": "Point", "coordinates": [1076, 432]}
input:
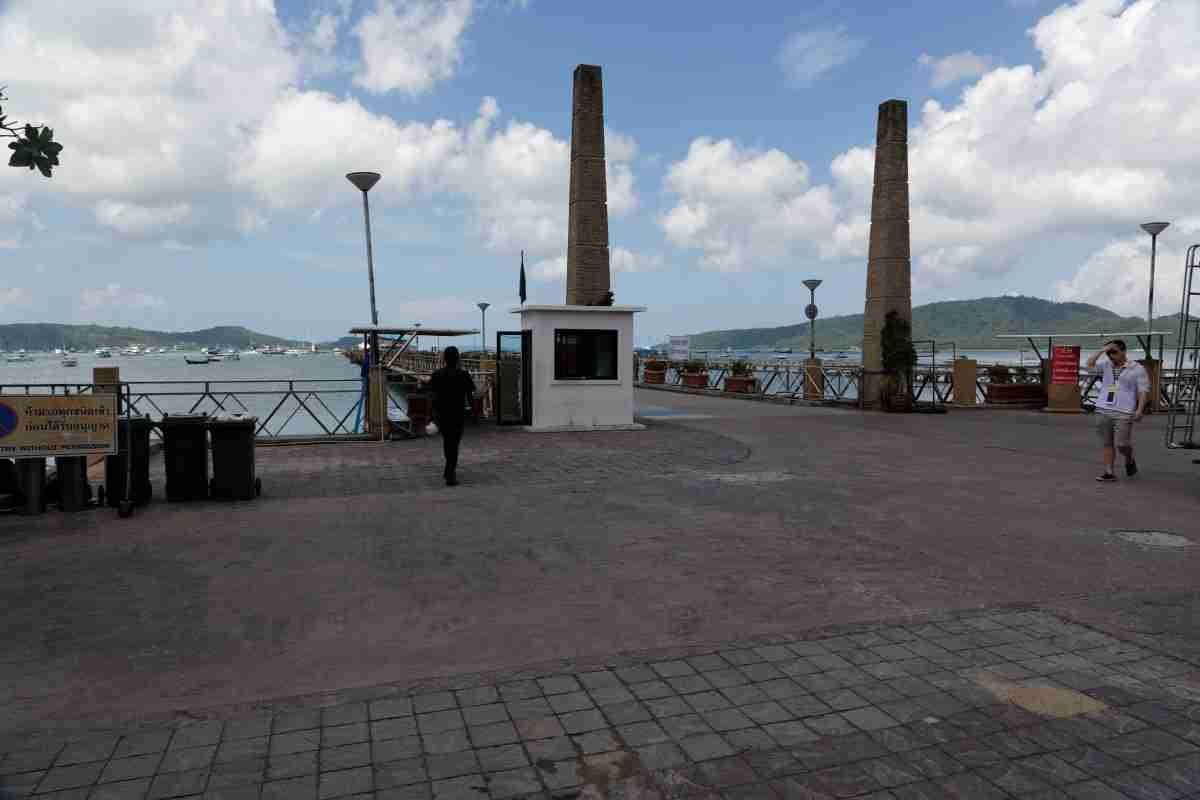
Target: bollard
{"type": "Point", "coordinates": [814, 380]}
{"type": "Point", "coordinates": [72, 483]}
{"type": "Point", "coordinates": [31, 475]}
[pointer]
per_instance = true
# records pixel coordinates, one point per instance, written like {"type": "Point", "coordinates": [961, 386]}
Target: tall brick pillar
{"type": "Point", "coordinates": [889, 268]}
{"type": "Point", "coordinates": [587, 237]}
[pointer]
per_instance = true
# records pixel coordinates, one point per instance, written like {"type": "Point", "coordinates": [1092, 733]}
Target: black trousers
{"type": "Point", "coordinates": [452, 431]}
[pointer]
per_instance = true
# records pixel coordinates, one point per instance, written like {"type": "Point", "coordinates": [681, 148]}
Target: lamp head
{"type": "Point", "coordinates": [363, 180]}
{"type": "Point", "coordinates": [484, 306]}
{"type": "Point", "coordinates": [1155, 228]}
{"type": "Point", "coordinates": [812, 284]}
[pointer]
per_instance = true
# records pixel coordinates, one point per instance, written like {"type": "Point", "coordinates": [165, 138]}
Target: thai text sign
{"type": "Point", "coordinates": [1064, 365]}
{"type": "Point", "coordinates": [48, 426]}
{"type": "Point", "coordinates": [680, 348]}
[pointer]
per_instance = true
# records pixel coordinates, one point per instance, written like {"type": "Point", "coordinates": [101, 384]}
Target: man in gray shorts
{"type": "Point", "coordinates": [1124, 391]}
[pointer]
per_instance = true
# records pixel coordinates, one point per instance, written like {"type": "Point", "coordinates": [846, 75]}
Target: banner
{"type": "Point", "coordinates": [54, 426]}
{"type": "Point", "coordinates": [680, 348]}
{"type": "Point", "coordinates": [1064, 365]}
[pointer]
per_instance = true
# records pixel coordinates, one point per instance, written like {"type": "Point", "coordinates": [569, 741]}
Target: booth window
{"type": "Point", "coordinates": [585, 355]}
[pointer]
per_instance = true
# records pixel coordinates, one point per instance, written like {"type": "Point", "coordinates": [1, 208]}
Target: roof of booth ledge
{"type": "Point", "coordinates": [593, 309]}
{"type": "Point", "coordinates": [412, 330]}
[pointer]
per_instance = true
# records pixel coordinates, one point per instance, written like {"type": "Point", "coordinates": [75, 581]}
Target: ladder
{"type": "Point", "coordinates": [1185, 389]}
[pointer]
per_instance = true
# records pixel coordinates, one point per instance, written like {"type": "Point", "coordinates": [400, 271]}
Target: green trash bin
{"type": "Point", "coordinates": [185, 453]}
{"type": "Point", "coordinates": [131, 433]}
{"type": "Point", "coordinates": [233, 476]}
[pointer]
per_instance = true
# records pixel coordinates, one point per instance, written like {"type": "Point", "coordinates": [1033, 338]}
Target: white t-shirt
{"type": "Point", "coordinates": [1119, 391]}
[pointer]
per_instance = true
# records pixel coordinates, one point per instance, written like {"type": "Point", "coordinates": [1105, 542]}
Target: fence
{"type": "Point", "coordinates": [325, 408]}
{"type": "Point", "coordinates": [932, 383]}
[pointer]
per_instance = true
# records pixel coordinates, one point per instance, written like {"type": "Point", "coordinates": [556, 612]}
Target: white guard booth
{"type": "Point", "coordinates": [582, 366]}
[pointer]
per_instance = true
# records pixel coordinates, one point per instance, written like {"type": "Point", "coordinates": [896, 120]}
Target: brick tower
{"type": "Point", "coordinates": [587, 236]}
{"type": "Point", "coordinates": [889, 267]}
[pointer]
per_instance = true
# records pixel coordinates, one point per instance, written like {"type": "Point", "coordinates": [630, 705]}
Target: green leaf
{"type": "Point", "coordinates": [43, 166]}
{"type": "Point", "coordinates": [21, 158]}
{"type": "Point", "coordinates": [31, 132]}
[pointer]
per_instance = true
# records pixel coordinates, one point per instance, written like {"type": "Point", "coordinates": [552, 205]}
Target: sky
{"type": "Point", "coordinates": [206, 142]}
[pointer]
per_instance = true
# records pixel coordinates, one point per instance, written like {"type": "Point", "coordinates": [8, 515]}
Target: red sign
{"type": "Point", "coordinates": [1064, 365]}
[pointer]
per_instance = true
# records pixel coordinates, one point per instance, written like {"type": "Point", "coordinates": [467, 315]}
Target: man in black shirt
{"type": "Point", "coordinates": [452, 390]}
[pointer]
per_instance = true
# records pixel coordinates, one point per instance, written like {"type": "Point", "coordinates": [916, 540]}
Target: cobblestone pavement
{"type": "Point", "coordinates": [803, 602]}
{"type": "Point", "coordinates": [1000, 704]}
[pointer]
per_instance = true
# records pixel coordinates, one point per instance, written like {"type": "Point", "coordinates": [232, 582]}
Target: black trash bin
{"type": "Point", "coordinates": [233, 475]}
{"type": "Point", "coordinates": [116, 470]}
{"type": "Point", "coordinates": [185, 452]}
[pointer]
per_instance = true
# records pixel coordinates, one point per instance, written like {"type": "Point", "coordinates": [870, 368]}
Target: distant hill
{"type": "Point", "coordinates": [48, 335]}
{"type": "Point", "coordinates": [966, 323]}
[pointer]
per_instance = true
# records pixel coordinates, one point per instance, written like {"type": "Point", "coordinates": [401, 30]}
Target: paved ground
{"type": "Point", "coordinates": [683, 577]}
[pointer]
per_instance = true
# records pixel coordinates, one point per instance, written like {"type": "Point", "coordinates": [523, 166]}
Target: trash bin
{"type": "Point", "coordinates": [31, 480]}
{"type": "Point", "coordinates": [116, 470]}
{"type": "Point", "coordinates": [233, 475]}
{"type": "Point", "coordinates": [185, 453]}
{"type": "Point", "coordinates": [73, 488]}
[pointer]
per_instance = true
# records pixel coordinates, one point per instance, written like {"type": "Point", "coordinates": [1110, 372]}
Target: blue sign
{"type": "Point", "coordinates": [8, 420]}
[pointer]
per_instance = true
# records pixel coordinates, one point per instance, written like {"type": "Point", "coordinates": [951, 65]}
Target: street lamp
{"type": "Point", "coordinates": [364, 181]}
{"type": "Point", "coordinates": [1154, 229]}
{"type": "Point", "coordinates": [483, 307]}
{"type": "Point", "coordinates": [811, 312]}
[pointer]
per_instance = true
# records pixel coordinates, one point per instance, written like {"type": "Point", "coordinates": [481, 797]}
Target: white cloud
{"type": "Point", "coordinates": [744, 208]}
{"type": "Point", "coordinates": [409, 45]}
{"type": "Point", "coordinates": [1098, 137]}
{"type": "Point", "coordinates": [955, 67]}
{"type": "Point", "coordinates": [624, 260]}
{"type": "Point", "coordinates": [514, 176]}
{"type": "Point", "coordinates": [1117, 276]}
{"type": "Point", "coordinates": [137, 220]}
{"type": "Point", "coordinates": [548, 269]}
{"type": "Point", "coordinates": [807, 55]}
{"type": "Point", "coordinates": [13, 296]}
{"type": "Point", "coordinates": [116, 297]}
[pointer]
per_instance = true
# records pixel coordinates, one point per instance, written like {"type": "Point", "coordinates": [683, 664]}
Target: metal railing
{"type": "Point", "coordinates": [286, 409]}
{"type": "Point", "coordinates": [931, 383]}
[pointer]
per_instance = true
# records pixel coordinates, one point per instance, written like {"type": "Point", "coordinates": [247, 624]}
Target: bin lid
{"type": "Point", "coordinates": [183, 419]}
{"type": "Point", "coordinates": [226, 418]}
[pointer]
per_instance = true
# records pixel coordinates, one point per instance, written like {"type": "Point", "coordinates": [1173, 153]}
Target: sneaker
{"type": "Point", "coordinates": [1131, 468]}
{"type": "Point", "coordinates": [1108, 476]}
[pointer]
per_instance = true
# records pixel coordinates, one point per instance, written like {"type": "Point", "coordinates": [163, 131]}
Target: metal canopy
{"type": "Point", "coordinates": [1141, 337]}
{"type": "Point", "coordinates": [412, 331]}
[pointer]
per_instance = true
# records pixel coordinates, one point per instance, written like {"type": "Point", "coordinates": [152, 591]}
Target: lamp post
{"type": "Point", "coordinates": [1154, 229]}
{"type": "Point", "coordinates": [811, 312]}
{"type": "Point", "coordinates": [364, 181]}
{"type": "Point", "coordinates": [483, 307]}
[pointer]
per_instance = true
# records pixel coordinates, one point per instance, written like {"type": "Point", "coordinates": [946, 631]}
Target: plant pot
{"type": "Point", "coordinates": [741, 384]}
{"type": "Point", "coordinates": [696, 381]}
{"type": "Point", "coordinates": [654, 376]}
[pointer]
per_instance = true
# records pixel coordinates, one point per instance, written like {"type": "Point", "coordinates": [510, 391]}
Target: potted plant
{"type": "Point", "coordinates": [654, 371]}
{"type": "Point", "coordinates": [899, 357]}
{"type": "Point", "coordinates": [694, 374]}
{"type": "Point", "coordinates": [741, 378]}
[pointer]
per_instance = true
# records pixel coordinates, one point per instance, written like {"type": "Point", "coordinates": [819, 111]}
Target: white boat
{"type": "Point", "coordinates": [230, 355]}
{"type": "Point", "coordinates": [70, 361]}
{"type": "Point", "coordinates": [292, 351]}
{"type": "Point", "coordinates": [200, 359]}
{"type": "Point", "coordinates": [20, 355]}
{"type": "Point", "coordinates": [103, 352]}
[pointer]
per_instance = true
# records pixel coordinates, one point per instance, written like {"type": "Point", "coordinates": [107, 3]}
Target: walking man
{"type": "Point", "coordinates": [452, 390]}
{"type": "Point", "coordinates": [1124, 391]}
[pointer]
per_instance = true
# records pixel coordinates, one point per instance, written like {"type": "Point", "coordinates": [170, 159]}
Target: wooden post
{"type": "Point", "coordinates": [814, 380]}
{"type": "Point", "coordinates": [965, 372]}
{"type": "Point", "coordinates": [1154, 372]}
{"type": "Point", "coordinates": [377, 417]}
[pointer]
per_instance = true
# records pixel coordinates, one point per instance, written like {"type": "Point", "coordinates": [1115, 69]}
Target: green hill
{"type": "Point", "coordinates": [966, 323]}
{"type": "Point", "coordinates": [48, 335]}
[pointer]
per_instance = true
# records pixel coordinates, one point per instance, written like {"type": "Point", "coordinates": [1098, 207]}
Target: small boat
{"type": "Point", "coordinates": [103, 352]}
{"type": "Point", "coordinates": [200, 359]}
{"type": "Point", "coordinates": [293, 352]}
{"type": "Point", "coordinates": [70, 361]}
{"type": "Point", "coordinates": [20, 355]}
{"type": "Point", "coordinates": [230, 355]}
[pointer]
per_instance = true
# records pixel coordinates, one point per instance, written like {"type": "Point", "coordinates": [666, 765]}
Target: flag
{"type": "Point", "coordinates": [521, 291]}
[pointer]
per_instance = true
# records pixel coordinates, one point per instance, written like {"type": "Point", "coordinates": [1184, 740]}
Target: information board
{"type": "Point", "coordinates": [55, 426]}
{"type": "Point", "coordinates": [680, 348]}
{"type": "Point", "coordinates": [1064, 365]}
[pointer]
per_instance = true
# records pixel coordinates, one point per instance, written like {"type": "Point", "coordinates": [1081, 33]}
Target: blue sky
{"type": "Point", "coordinates": [205, 143]}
